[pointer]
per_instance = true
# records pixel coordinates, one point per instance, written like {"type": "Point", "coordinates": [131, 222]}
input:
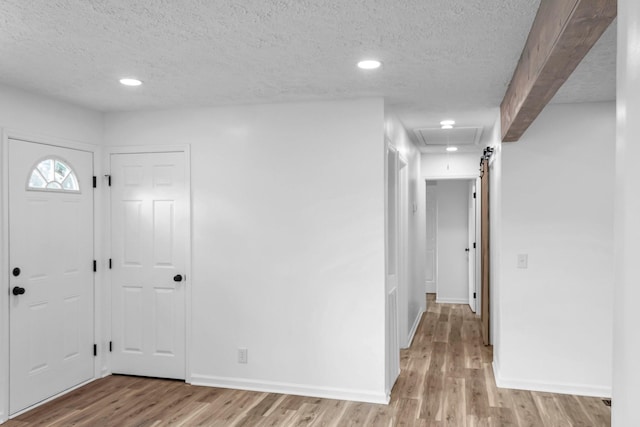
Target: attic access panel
{"type": "Point", "coordinates": [459, 136]}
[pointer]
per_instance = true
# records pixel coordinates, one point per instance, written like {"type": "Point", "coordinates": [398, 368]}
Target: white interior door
{"type": "Point", "coordinates": [471, 255]}
{"type": "Point", "coordinates": [478, 254]}
{"type": "Point", "coordinates": [150, 234]}
{"type": "Point", "coordinates": [51, 277]}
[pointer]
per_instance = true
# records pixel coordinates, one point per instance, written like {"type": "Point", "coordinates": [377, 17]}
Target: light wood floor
{"type": "Point", "coordinates": [446, 380]}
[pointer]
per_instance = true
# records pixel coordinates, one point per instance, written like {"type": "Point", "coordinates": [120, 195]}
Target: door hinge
{"type": "Point", "coordinates": [474, 195]}
{"type": "Point", "coordinates": [474, 245]}
{"type": "Point", "coordinates": [95, 182]}
{"type": "Point", "coordinates": [109, 263]}
{"type": "Point", "coordinates": [474, 294]}
{"type": "Point", "coordinates": [108, 180]}
{"type": "Point", "coordinates": [95, 265]}
{"type": "Point", "coordinates": [110, 346]}
{"type": "Point", "coordinates": [95, 350]}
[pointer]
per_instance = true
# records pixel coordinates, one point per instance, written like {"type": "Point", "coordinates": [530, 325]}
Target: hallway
{"type": "Point", "coordinates": [446, 380]}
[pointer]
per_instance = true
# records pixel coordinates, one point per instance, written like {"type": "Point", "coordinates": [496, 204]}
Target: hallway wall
{"type": "Point", "coordinates": [557, 208]}
{"type": "Point", "coordinates": [288, 241]}
{"type": "Point", "coordinates": [416, 302]}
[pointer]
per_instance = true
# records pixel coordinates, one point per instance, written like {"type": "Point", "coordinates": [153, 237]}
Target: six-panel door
{"type": "Point", "coordinates": [149, 226]}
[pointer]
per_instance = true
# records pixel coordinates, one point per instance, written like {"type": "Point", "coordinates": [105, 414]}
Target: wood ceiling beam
{"type": "Point", "coordinates": [562, 34]}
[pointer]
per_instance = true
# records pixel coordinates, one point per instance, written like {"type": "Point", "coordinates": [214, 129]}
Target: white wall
{"type": "Point", "coordinates": [45, 119]}
{"type": "Point", "coordinates": [288, 242]}
{"type": "Point", "coordinates": [557, 198]}
{"type": "Point", "coordinates": [454, 165]}
{"type": "Point", "coordinates": [397, 136]}
{"type": "Point", "coordinates": [626, 339]}
{"type": "Point", "coordinates": [452, 239]}
{"type": "Point", "coordinates": [495, 240]}
{"type": "Point", "coordinates": [431, 236]}
{"type": "Point", "coordinates": [34, 114]}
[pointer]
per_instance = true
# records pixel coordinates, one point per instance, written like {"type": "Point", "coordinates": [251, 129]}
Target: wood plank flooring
{"type": "Point", "coordinates": [446, 380]}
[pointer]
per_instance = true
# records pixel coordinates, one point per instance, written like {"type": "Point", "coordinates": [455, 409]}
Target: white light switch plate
{"type": "Point", "coordinates": [523, 260]}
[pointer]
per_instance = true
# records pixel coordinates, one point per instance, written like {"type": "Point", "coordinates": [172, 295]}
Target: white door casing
{"type": "Point", "coordinates": [392, 242]}
{"type": "Point", "coordinates": [149, 244]}
{"type": "Point", "coordinates": [51, 241]}
{"type": "Point", "coordinates": [403, 253]}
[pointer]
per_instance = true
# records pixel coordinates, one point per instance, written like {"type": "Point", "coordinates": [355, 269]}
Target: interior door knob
{"type": "Point", "coordinates": [177, 278]}
{"type": "Point", "coordinates": [17, 290]}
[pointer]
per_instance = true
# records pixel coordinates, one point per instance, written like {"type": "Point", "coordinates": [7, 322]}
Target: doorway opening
{"type": "Point", "coordinates": [450, 235]}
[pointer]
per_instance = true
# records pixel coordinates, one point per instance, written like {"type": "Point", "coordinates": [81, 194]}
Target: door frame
{"type": "Point", "coordinates": [7, 134]}
{"type": "Point", "coordinates": [108, 309]}
{"type": "Point", "coordinates": [424, 179]}
{"type": "Point", "coordinates": [403, 251]}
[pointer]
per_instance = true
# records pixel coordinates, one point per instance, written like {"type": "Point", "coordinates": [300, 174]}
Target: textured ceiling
{"type": "Point", "coordinates": [442, 58]}
{"type": "Point", "coordinates": [595, 78]}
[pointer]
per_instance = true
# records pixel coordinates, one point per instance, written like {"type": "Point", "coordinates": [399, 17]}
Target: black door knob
{"type": "Point", "coordinates": [16, 272]}
{"type": "Point", "coordinates": [177, 278]}
{"type": "Point", "coordinates": [17, 290]}
{"type": "Point", "coordinates": [466, 249]}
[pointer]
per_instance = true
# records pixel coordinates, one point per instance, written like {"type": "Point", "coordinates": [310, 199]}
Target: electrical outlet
{"type": "Point", "coordinates": [243, 355]}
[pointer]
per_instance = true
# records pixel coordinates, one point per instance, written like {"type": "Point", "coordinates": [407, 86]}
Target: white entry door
{"type": "Point", "coordinates": [51, 273]}
{"type": "Point", "coordinates": [150, 236]}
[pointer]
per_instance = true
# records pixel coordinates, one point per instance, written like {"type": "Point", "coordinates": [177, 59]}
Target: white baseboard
{"type": "Point", "coordinates": [414, 328]}
{"type": "Point", "coordinates": [294, 389]}
{"type": "Point", "coordinates": [547, 387]}
{"type": "Point", "coordinates": [451, 300]}
{"type": "Point", "coordinates": [430, 287]}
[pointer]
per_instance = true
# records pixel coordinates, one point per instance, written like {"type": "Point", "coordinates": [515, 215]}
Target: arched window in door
{"type": "Point", "coordinates": [53, 174]}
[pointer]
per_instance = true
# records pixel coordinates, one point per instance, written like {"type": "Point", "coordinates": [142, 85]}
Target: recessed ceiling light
{"type": "Point", "coordinates": [369, 64]}
{"type": "Point", "coordinates": [130, 82]}
{"type": "Point", "coordinates": [447, 126]}
{"type": "Point", "coordinates": [448, 122]}
{"type": "Point", "coordinates": [452, 148]}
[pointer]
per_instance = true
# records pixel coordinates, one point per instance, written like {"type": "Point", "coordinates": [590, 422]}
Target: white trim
{"type": "Point", "coordinates": [288, 388]}
{"type": "Point", "coordinates": [4, 278]}
{"type": "Point", "coordinates": [442, 177]}
{"type": "Point", "coordinates": [414, 328]}
{"type": "Point", "coordinates": [548, 387]}
{"type": "Point", "coordinates": [451, 300]}
{"type": "Point", "coordinates": [40, 138]}
{"type": "Point", "coordinates": [95, 150]}
{"type": "Point", "coordinates": [142, 149]}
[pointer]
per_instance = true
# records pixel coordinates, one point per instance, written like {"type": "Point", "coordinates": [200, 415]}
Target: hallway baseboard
{"type": "Point", "coordinates": [293, 389]}
{"type": "Point", "coordinates": [414, 328]}
{"type": "Point", "coordinates": [575, 389]}
{"type": "Point", "coordinates": [452, 300]}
